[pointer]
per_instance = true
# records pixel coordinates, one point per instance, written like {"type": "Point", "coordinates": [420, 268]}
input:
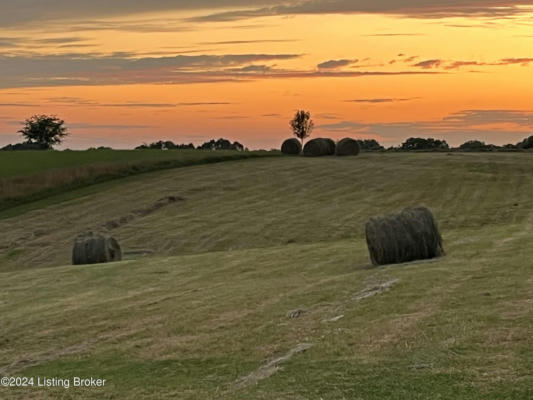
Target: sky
{"type": "Point", "coordinates": [125, 72]}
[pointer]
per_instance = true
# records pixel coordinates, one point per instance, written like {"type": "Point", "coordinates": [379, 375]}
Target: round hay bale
{"type": "Point", "coordinates": [318, 147]}
{"type": "Point", "coordinates": [291, 147]}
{"type": "Point", "coordinates": [93, 248]}
{"type": "Point", "coordinates": [331, 146]}
{"type": "Point", "coordinates": [410, 235]}
{"type": "Point", "coordinates": [348, 147]}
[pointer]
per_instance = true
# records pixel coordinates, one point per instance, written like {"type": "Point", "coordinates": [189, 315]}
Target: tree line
{"type": "Point", "coordinates": [42, 132]}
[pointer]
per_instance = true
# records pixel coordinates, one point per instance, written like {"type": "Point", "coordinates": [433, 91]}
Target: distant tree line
{"type": "Point", "coordinates": [220, 144]}
{"type": "Point", "coordinates": [430, 144]}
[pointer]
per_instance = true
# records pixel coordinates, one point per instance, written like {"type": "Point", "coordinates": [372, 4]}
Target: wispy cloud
{"type": "Point", "coordinates": [502, 126]}
{"type": "Point", "coordinates": [427, 64]}
{"type": "Point", "coordinates": [333, 64]}
{"type": "Point", "coordinates": [120, 68]}
{"type": "Point", "coordinates": [410, 8]}
{"type": "Point", "coordinates": [381, 100]}
{"type": "Point", "coordinates": [395, 34]}
{"type": "Point", "coordinates": [124, 68]}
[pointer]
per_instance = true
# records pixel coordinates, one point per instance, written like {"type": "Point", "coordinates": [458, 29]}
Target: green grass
{"type": "Point", "coordinates": [27, 176]}
{"type": "Point", "coordinates": [254, 239]}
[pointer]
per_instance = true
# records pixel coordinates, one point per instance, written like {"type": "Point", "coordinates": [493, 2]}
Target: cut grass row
{"type": "Point", "coordinates": [30, 176]}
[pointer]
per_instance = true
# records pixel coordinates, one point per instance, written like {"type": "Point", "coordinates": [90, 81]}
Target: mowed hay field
{"type": "Point", "coordinates": [27, 176]}
{"type": "Point", "coordinates": [201, 300]}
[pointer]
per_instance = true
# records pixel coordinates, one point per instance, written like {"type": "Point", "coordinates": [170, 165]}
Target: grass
{"type": "Point", "coordinates": [27, 176]}
{"type": "Point", "coordinates": [202, 297]}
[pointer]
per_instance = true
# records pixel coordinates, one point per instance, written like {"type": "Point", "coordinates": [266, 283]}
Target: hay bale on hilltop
{"type": "Point", "coordinates": [348, 147]}
{"type": "Point", "coordinates": [410, 235]}
{"type": "Point", "coordinates": [318, 147]}
{"type": "Point", "coordinates": [94, 248]}
{"type": "Point", "coordinates": [291, 147]}
{"type": "Point", "coordinates": [331, 146]}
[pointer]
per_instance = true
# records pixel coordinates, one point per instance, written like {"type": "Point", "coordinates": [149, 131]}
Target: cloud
{"type": "Point", "coordinates": [18, 105]}
{"type": "Point", "coordinates": [522, 61]}
{"type": "Point", "coordinates": [427, 64]}
{"type": "Point", "coordinates": [449, 65]}
{"type": "Point", "coordinates": [89, 126]}
{"type": "Point", "coordinates": [212, 103]}
{"type": "Point", "coordinates": [77, 101]}
{"type": "Point", "coordinates": [233, 42]}
{"type": "Point", "coordinates": [409, 8]}
{"type": "Point", "coordinates": [119, 68]}
{"type": "Point", "coordinates": [252, 68]}
{"type": "Point", "coordinates": [123, 68]}
{"type": "Point", "coordinates": [333, 64]}
{"type": "Point", "coordinates": [497, 125]}
{"type": "Point", "coordinates": [395, 34]}
{"type": "Point", "coordinates": [27, 12]}
{"type": "Point", "coordinates": [381, 100]}
{"type": "Point", "coordinates": [459, 64]}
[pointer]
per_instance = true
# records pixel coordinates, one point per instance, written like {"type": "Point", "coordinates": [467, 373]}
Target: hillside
{"type": "Point", "coordinates": [27, 176]}
{"type": "Point", "coordinates": [217, 255]}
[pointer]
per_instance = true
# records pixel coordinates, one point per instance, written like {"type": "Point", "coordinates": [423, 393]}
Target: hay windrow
{"type": "Point", "coordinates": [411, 235]}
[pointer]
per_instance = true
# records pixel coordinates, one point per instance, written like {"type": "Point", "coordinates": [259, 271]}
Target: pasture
{"type": "Point", "coordinates": [27, 176]}
{"type": "Point", "coordinates": [200, 307]}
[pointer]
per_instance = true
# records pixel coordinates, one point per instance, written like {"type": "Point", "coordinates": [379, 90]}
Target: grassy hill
{"type": "Point", "coordinates": [199, 308]}
{"type": "Point", "coordinates": [27, 176]}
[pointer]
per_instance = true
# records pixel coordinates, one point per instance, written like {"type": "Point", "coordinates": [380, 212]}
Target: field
{"type": "Point", "coordinates": [27, 176]}
{"type": "Point", "coordinates": [199, 307]}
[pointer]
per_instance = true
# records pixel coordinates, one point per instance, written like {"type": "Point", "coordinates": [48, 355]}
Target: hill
{"type": "Point", "coordinates": [199, 308]}
{"type": "Point", "coordinates": [27, 176]}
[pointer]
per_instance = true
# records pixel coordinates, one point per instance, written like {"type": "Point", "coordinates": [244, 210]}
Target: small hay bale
{"type": "Point", "coordinates": [318, 147]}
{"type": "Point", "coordinates": [291, 147]}
{"type": "Point", "coordinates": [348, 147]}
{"type": "Point", "coordinates": [94, 248]}
{"type": "Point", "coordinates": [410, 235]}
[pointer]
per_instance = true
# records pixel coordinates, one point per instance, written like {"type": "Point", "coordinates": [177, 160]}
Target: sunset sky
{"type": "Point", "coordinates": [123, 72]}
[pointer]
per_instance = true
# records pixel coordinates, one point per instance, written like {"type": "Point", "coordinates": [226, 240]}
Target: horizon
{"type": "Point", "coordinates": [122, 74]}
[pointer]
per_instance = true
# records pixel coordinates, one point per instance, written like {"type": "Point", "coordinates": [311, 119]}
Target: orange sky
{"type": "Point", "coordinates": [122, 76]}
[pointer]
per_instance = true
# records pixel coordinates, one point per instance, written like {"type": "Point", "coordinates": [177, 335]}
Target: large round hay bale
{"type": "Point", "coordinates": [331, 146]}
{"type": "Point", "coordinates": [410, 235]}
{"type": "Point", "coordinates": [318, 147]}
{"type": "Point", "coordinates": [94, 248]}
{"type": "Point", "coordinates": [348, 147]}
{"type": "Point", "coordinates": [291, 147]}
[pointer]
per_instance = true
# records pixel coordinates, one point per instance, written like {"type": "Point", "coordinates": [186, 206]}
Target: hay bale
{"type": "Point", "coordinates": [410, 235]}
{"type": "Point", "coordinates": [348, 147]}
{"type": "Point", "coordinates": [291, 147]}
{"type": "Point", "coordinates": [319, 147]}
{"type": "Point", "coordinates": [331, 146]}
{"type": "Point", "coordinates": [93, 248]}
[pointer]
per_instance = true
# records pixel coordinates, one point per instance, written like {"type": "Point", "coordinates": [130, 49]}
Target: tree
{"type": "Point", "coordinates": [370, 144]}
{"type": "Point", "coordinates": [424, 144]}
{"type": "Point", "coordinates": [302, 125]}
{"type": "Point", "coordinates": [527, 143]}
{"type": "Point", "coordinates": [476, 145]}
{"type": "Point", "coordinates": [45, 130]}
{"type": "Point", "coordinates": [221, 144]}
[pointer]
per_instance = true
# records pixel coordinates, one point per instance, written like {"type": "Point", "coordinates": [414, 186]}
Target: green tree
{"type": "Point", "coordinates": [302, 125]}
{"type": "Point", "coordinates": [45, 130]}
